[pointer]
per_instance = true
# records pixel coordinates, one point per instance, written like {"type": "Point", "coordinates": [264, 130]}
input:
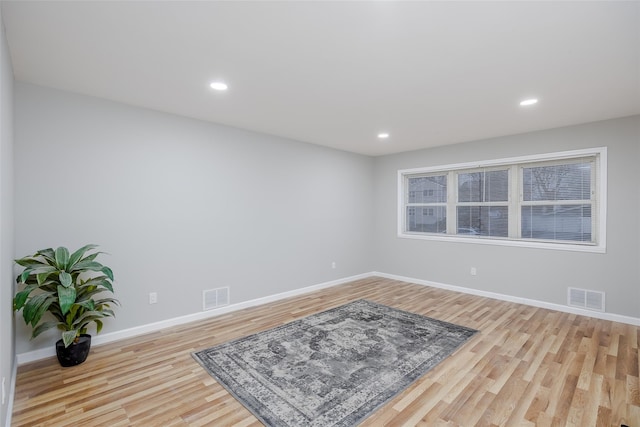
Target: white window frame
{"type": "Point", "coordinates": [598, 188]}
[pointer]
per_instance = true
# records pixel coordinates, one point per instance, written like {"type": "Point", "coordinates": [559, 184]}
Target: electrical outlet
{"type": "Point", "coordinates": [153, 298]}
{"type": "Point", "coordinates": [333, 265]}
{"type": "Point", "coordinates": [474, 271]}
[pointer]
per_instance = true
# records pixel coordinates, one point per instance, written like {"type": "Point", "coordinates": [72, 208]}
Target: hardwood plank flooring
{"type": "Point", "coordinates": [528, 366]}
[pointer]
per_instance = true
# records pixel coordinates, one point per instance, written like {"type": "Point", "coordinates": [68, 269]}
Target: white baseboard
{"type": "Point", "coordinates": [534, 303]}
{"type": "Point", "coordinates": [43, 353]}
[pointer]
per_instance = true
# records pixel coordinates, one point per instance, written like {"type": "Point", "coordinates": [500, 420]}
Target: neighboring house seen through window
{"type": "Point", "coordinates": [554, 200]}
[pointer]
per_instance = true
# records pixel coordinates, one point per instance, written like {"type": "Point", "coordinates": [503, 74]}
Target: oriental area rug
{"type": "Point", "coordinates": [333, 368]}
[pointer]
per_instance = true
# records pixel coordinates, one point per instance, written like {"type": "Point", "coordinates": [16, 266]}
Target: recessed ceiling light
{"type": "Point", "coordinates": [383, 135]}
{"type": "Point", "coordinates": [530, 101]}
{"type": "Point", "coordinates": [218, 86]}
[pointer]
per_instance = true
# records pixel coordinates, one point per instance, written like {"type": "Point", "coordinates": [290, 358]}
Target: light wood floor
{"type": "Point", "coordinates": [527, 367]}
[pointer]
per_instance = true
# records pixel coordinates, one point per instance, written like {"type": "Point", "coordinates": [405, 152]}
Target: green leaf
{"type": "Point", "coordinates": [43, 269]}
{"type": "Point", "coordinates": [98, 326]}
{"type": "Point", "coordinates": [88, 317]}
{"type": "Point", "coordinates": [42, 277]}
{"type": "Point", "coordinates": [108, 313]}
{"type": "Point", "coordinates": [77, 255]}
{"type": "Point", "coordinates": [92, 281]}
{"type": "Point", "coordinates": [43, 327]}
{"type": "Point", "coordinates": [28, 262]}
{"type": "Point", "coordinates": [21, 297]}
{"type": "Point", "coordinates": [92, 256]}
{"type": "Point", "coordinates": [65, 279]}
{"type": "Point", "coordinates": [107, 271]}
{"type": "Point", "coordinates": [73, 311]}
{"type": "Point", "coordinates": [87, 265]}
{"type": "Point", "coordinates": [62, 258]}
{"type": "Point", "coordinates": [36, 306]}
{"type": "Point", "coordinates": [35, 271]}
{"type": "Point", "coordinates": [23, 276]}
{"type": "Point", "coordinates": [55, 311]}
{"type": "Point", "coordinates": [106, 301]}
{"type": "Point", "coordinates": [87, 304]}
{"type": "Point", "coordinates": [67, 297]}
{"type": "Point", "coordinates": [107, 284]}
{"type": "Point", "coordinates": [49, 254]}
{"type": "Point", "coordinates": [68, 337]}
{"type": "Point", "coordinates": [50, 285]}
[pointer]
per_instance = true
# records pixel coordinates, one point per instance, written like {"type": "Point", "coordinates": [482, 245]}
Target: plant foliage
{"type": "Point", "coordinates": [66, 285]}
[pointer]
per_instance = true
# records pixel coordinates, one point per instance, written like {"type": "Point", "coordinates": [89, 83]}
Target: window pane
{"type": "Point", "coordinates": [557, 222]}
{"type": "Point", "coordinates": [483, 220]}
{"type": "Point", "coordinates": [428, 189]}
{"type": "Point", "coordinates": [490, 186]}
{"type": "Point", "coordinates": [428, 219]}
{"type": "Point", "coordinates": [558, 182]}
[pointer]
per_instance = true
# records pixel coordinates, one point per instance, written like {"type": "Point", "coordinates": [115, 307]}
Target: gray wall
{"type": "Point", "coordinates": [7, 357]}
{"type": "Point", "coordinates": [183, 205]}
{"type": "Point", "coordinates": [536, 274]}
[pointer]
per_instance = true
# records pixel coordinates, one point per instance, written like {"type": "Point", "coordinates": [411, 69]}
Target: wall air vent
{"type": "Point", "coordinates": [583, 298]}
{"type": "Point", "coordinates": [214, 298]}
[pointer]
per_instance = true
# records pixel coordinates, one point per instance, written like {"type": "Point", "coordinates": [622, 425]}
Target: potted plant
{"type": "Point", "coordinates": [69, 286]}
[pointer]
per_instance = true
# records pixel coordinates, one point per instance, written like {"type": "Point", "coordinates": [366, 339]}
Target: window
{"type": "Point", "coordinates": [482, 205]}
{"type": "Point", "coordinates": [553, 200]}
{"type": "Point", "coordinates": [557, 201]}
{"type": "Point", "coordinates": [427, 204]}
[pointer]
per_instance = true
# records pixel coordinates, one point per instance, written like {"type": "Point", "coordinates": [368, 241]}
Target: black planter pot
{"type": "Point", "coordinates": [76, 353]}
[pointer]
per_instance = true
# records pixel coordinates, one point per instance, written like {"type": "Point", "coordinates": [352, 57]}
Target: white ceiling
{"type": "Point", "coordinates": [337, 73]}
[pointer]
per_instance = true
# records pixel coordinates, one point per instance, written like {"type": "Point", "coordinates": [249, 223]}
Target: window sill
{"type": "Point", "coordinates": [508, 242]}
